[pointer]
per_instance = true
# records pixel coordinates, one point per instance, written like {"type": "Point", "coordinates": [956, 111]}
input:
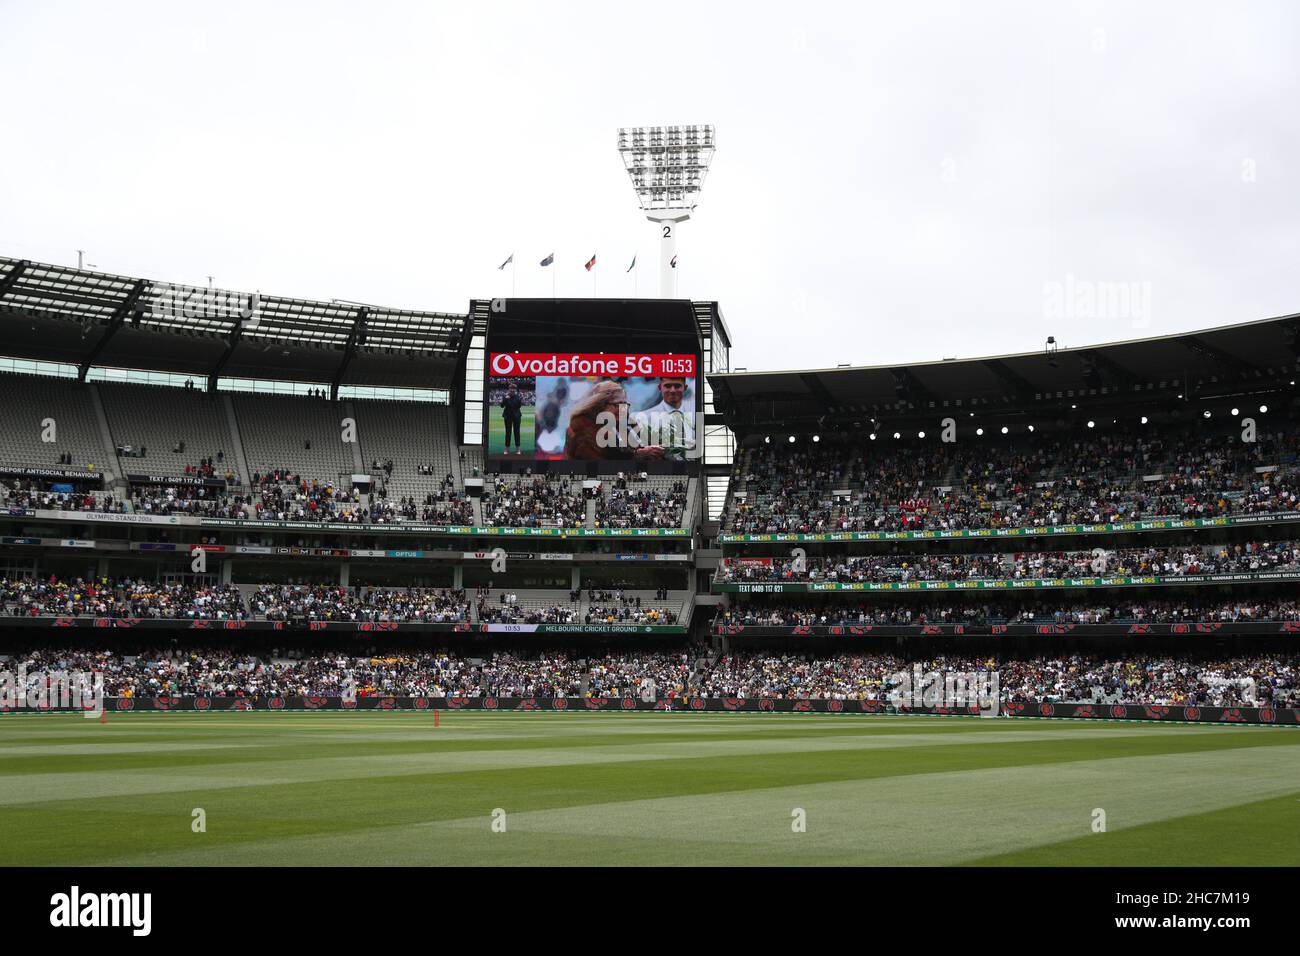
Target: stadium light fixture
{"type": "Point", "coordinates": [979, 431]}
{"type": "Point", "coordinates": [1206, 413]}
{"type": "Point", "coordinates": [920, 434]}
{"type": "Point", "coordinates": [1144, 419]}
{"type": "Point", "coordinates": [1236, 412]}
{"type": "Point", "coordinates": [791, 439]}
{"type": "Point", "coordinates": [1263, 409]}
{"type": "Point", "coordinates": [1005, 429]}
{"type": "Point", "coordinates": [667, 166]}
{"type": "Point", "coordinates": [1092, 424]}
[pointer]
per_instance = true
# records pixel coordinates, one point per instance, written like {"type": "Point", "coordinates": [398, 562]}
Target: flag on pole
{"type": "Point", "coordinates": [633, 265]}
{"type": "Point", "coordinates": [591, 263]}
{"type": "Point", "coordinates": [507, 262]}
{"type": "Point", "coordinates": [548, 260]}
{"type": "Point", "coordinates": [673, 264]}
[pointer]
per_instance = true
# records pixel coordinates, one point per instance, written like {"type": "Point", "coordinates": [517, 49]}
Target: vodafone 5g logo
{"type": "Point", "coordinates": [614, 366]}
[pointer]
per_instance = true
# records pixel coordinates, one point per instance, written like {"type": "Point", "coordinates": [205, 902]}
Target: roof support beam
{"type": "Point", "coordinates": [1112, 368]}
{"type": "Point", "coordinates": [1217, 355]}
{"type": "Point", "coordinates": [723, 399]}
{"type": "Point", "coordinates": [11, 280]}
{"type": "Point", "coordinates": [231, 344]}
{"type": "Point", "coordinates": [908, 387]}
{"type": "Point", "coordinates": [1291, 337]}
{"type": "Point", "coordinates": [115, 322]}
{"type": "Point", "coordinates": [819, 389]}
{"type": "Point", "coordinates": [1020, 386]}
{"type": "Point", "coordinates": [356, 338]}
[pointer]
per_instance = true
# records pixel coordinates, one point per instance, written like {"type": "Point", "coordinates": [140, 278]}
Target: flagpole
{"type": "Point", "coordinates": [554, 269]}
{"type": "Point", "coordinates": [512, 275]}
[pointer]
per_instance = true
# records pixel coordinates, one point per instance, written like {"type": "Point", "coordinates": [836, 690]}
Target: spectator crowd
{"type": "Point", "coordinates": [784, 613]}
{"type": "Point", "coordinates": [1247, 680]}
{"type": "Point", "coordinates": [533, 501]}
{"type": "Point", "coordinates": [873, 486]}
{"type": "Point", "coordinates": [1168, 561]}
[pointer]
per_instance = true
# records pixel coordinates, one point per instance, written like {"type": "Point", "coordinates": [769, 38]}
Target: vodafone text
{"type": "Point", "coordinates": [616, 366]}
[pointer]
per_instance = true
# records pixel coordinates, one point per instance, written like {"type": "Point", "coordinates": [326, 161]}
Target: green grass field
{"type": "Point", "coordinates": [641, 788]}
{"type": "Point", "coordinates": [497, 432]}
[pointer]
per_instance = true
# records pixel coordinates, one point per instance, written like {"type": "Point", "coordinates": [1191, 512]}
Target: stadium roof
{"type": "Point", "coordinates": [60, 314]}
{"type": "Point", "coordinates": [1231, 360]}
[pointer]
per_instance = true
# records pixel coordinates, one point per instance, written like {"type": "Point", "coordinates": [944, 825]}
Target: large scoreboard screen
{"type": "Point", "coordinates": [624, 388]}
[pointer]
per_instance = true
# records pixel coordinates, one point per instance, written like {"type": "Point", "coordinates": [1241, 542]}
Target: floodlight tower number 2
{"type": "Point", "coordinates": [667, 166]}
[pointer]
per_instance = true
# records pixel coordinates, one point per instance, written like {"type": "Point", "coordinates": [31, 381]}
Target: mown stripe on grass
{"type": "Point", "coordinates": [349, 796]}
{"type": "Point", "coordinates": [933, 819]}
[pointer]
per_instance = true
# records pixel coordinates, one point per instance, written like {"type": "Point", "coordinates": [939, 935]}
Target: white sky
{"type": "Point", "coordinates": [893, 182]}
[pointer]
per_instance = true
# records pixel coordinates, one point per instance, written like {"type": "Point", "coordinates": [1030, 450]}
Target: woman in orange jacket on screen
{"type": "Point", "coordinates": [582, 440]}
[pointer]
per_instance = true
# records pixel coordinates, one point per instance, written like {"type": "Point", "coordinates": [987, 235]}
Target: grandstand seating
{"type": "Point", "coordinates": [538, 501]}
{"type": "Point", "coordinates": [473, 462]}
{"type": "Point", "coordinates": [415, 438]}
{"type": "Point", "coordinates": [28, 493]}
{"type": "Point", "coordinates": [124, 598]}
{"type": "Point", "coordinates": [27, 400]}
{"type": "Point", "coordinates": [337, 603]}
{"type": "Point", "coordinates": [779, 611]}
{"type": "Point", "coordinates": [633, 500]}
{"type": "Point", "coordinates": [867, 486]}
{"type": "Point", "coordinates": [611, 606]}
{"type": "Point", "coordinates": [1134, 678]}
{"type": "Point", "coordinates": [298, 439]}
{"type": "Point", "coordinates": [277, 430]}
{"type": "Point", "coordinates": [603, 605]}
{"type": "Point", "coordinates": [410, 435]}
{"type": "Point", "coordinates": [1169, 560]}
{"type": "Point", "coordinates": [158, 418]}
{"type": "Point", "coordinates": [516, 606]}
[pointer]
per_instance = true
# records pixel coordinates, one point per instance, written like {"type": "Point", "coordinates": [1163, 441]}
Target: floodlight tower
{"type": "Point", "coordinates": [667, 166]}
